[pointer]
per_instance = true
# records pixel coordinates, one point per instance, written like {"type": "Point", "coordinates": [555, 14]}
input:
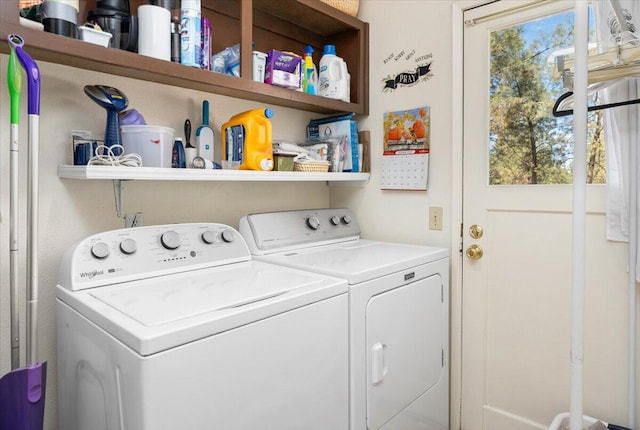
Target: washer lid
{"type": "Point", "coordinates": [358, 260]}
{"type": "Point", "coordinates": [156, 314]}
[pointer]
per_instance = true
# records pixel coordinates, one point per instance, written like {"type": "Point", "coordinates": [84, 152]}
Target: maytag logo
{"type": "Point", "coordinates": [91, 274]}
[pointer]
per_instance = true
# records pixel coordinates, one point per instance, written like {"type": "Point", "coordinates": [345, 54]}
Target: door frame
{"type": "Point", "coordinates": [457, 43]}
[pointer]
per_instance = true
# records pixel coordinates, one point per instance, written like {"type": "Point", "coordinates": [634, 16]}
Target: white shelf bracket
{"type": "Point", "coordinates": [118, 191]}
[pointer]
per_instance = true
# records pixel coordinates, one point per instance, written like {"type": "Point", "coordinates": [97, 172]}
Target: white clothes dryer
{"type": "Point", "coordinates": [398, 312]}
{"type": "Point", "coordinates": [175, 327]}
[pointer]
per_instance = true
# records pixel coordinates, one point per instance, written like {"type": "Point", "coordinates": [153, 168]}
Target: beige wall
{"type": "Point", "coordinates": [403, 216]}
{"type": "Point", "coordinates": [72, 209]}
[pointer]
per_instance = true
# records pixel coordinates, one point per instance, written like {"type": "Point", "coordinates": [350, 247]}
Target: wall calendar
{"type": "Point", "coordinates": [405, 157]}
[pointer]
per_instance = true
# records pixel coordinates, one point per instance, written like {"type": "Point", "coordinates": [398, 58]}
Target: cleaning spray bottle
{"type": "Point", "coordinates": [309, 75]}
{"type": "Point", "coordinates": [190, 32]}
{"type": "Point", "coordinates": [246, 138]}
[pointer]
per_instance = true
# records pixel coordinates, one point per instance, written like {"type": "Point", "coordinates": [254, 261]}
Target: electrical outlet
{"type": "Point", "coordinates": [435, 218]}
{"type": "Point", "coordinates": [134, 220]}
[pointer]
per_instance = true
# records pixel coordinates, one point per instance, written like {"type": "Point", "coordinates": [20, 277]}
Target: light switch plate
{"type": "Point", "coordinates": [435, 218]}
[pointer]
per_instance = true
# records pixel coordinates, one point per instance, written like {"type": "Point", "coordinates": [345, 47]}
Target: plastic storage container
{"type": "Point", "coordinates": [246, 138]}
{"type": "Point", "coordinates": [89, 34]}
{"type": "Point", "coordinates": [152, 142]}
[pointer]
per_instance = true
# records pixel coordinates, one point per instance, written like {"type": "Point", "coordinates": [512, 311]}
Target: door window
{"type": "Point", "coordinates": [527, 144]}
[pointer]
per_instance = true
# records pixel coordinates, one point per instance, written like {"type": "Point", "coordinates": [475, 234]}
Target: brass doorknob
{"type": "Point", "coordinates": [474, 252]}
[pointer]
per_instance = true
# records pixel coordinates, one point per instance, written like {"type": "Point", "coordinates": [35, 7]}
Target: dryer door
{"type": "Point", "coordinates": [404, 347]}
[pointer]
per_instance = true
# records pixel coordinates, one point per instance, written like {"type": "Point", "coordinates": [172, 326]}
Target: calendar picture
{"type": "Point", "coordinates": [405, 158]}
{"type": "Point", "coordinates": [407, 129]}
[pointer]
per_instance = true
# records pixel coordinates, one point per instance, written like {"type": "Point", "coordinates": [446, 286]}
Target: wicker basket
{"type": "Point", "coordinates": [310, 166]}
{"type": "Point", "coordinates": [350, 7]}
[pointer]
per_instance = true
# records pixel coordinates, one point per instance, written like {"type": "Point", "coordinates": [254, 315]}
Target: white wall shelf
{"type": "Point", "coordinates": [163, 174]}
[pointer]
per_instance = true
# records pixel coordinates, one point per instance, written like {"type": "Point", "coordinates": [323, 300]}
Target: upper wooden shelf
{"type": "Point", "coordinates": [255, 24]}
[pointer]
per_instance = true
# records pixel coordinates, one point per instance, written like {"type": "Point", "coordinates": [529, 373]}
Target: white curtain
{"type": "Point", "coordinates": [622, 124]}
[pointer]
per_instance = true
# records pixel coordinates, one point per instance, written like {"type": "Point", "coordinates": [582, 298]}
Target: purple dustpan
{"type": "Point", "coordinates": [22, 398]}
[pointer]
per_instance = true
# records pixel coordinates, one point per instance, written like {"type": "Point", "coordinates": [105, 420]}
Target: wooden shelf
{"type": "Point", "coordinates": [269, 24]}
{"type": "Point", "coordinates": [163, 174]}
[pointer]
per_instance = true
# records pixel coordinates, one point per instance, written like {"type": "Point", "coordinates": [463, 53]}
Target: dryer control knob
{"type": "Point", "coordinates": [128, 246]}
{"type": "Point", "coordinates": [228, 235]}
{"type": "Point", "coordinates": [170, 239]}
{"type": "Point", "coordinates": [100, 250]}
{"type": "Point", "coordinates": [313, 223]}
{"type": "Point", "coordinates": [335, 220]}
{"type": "Point", "coordinates": [208, 237]}
{"type": "Point", "coordinates": [346, 219]}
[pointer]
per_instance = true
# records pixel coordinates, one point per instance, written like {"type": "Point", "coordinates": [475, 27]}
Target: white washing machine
{"type": "Point", "coordinates": [175, 327]}
{"type": "Point", "coordinates": [399, 312]}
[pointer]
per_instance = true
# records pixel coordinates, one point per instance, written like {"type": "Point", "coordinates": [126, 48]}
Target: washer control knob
{"type": "Point", "coordinates": [228, 235]}
{"type": "Point", "coordinates": [313, 223]}
{"type": "Point", "coordinates": [208, 237]}
{"type": "Point", "coordinates": [128, 246]}
{"type": "Point", "coordinates": [334, 220]}
{"type": "Point", "coordinates": [346, 219]}
{"type": "Point", "coordinates": [170, 239]}
{"type": "Point", "coordinates": [100, 250]}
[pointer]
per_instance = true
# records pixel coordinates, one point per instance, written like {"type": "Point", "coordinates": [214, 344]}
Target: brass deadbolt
{"type": "Point", "coordinates": [475, 231]}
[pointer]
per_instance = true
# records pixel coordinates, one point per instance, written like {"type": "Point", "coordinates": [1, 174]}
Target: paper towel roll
{"type": "Point", "coordinates": [154, 27]}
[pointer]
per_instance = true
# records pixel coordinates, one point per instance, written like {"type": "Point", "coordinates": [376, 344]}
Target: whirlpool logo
{"type": "Point", "coordinates": [92, 274]}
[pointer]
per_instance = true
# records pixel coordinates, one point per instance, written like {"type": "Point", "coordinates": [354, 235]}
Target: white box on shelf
{"type": "Point", "coordinates": [91, 35]}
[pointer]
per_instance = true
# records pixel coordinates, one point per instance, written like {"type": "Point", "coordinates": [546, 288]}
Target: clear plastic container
{"type": "Point", "coordinates": [152, 142]}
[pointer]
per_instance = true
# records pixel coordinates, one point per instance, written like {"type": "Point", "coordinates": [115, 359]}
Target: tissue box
{"type": "Point", "coordinates": [283, 69]}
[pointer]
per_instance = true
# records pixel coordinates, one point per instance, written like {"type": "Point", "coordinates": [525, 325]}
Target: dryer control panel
{"type": "Point", "coordinates": [276, 231]}
{"type": "Point", "coordinates": [143, 252]}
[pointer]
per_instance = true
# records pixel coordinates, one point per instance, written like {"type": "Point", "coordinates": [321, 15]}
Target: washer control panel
{"type": "Point", "coordinates": [138, 253]}
{"type": "Point", "coordinates": [276, 230]}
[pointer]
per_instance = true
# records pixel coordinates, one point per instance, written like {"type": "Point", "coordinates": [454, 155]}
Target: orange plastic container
{"type": "Point", "coordinates": [246, 138]}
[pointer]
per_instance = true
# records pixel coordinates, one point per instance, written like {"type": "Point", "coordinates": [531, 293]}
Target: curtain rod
{"type": "Point", "coordinates": [472, 22]}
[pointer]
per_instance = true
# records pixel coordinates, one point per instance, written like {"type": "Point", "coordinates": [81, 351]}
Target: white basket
{"type": "Point", "coordinates": [310, 166]}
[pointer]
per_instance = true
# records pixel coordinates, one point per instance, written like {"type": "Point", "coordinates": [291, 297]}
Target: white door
{"type": "Point", "coordinates": [516, 296]}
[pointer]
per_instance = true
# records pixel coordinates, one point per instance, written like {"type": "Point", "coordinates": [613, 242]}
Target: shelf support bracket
{"type": "Point", "coordinates": [118, 191]}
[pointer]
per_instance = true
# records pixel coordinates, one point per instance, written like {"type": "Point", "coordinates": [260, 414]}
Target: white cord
{"type": "Point", "coordinates": [105, 157]}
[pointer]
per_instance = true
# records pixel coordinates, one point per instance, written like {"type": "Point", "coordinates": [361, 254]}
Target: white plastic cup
{"type": "Point", "coordinates": [154, 33]}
